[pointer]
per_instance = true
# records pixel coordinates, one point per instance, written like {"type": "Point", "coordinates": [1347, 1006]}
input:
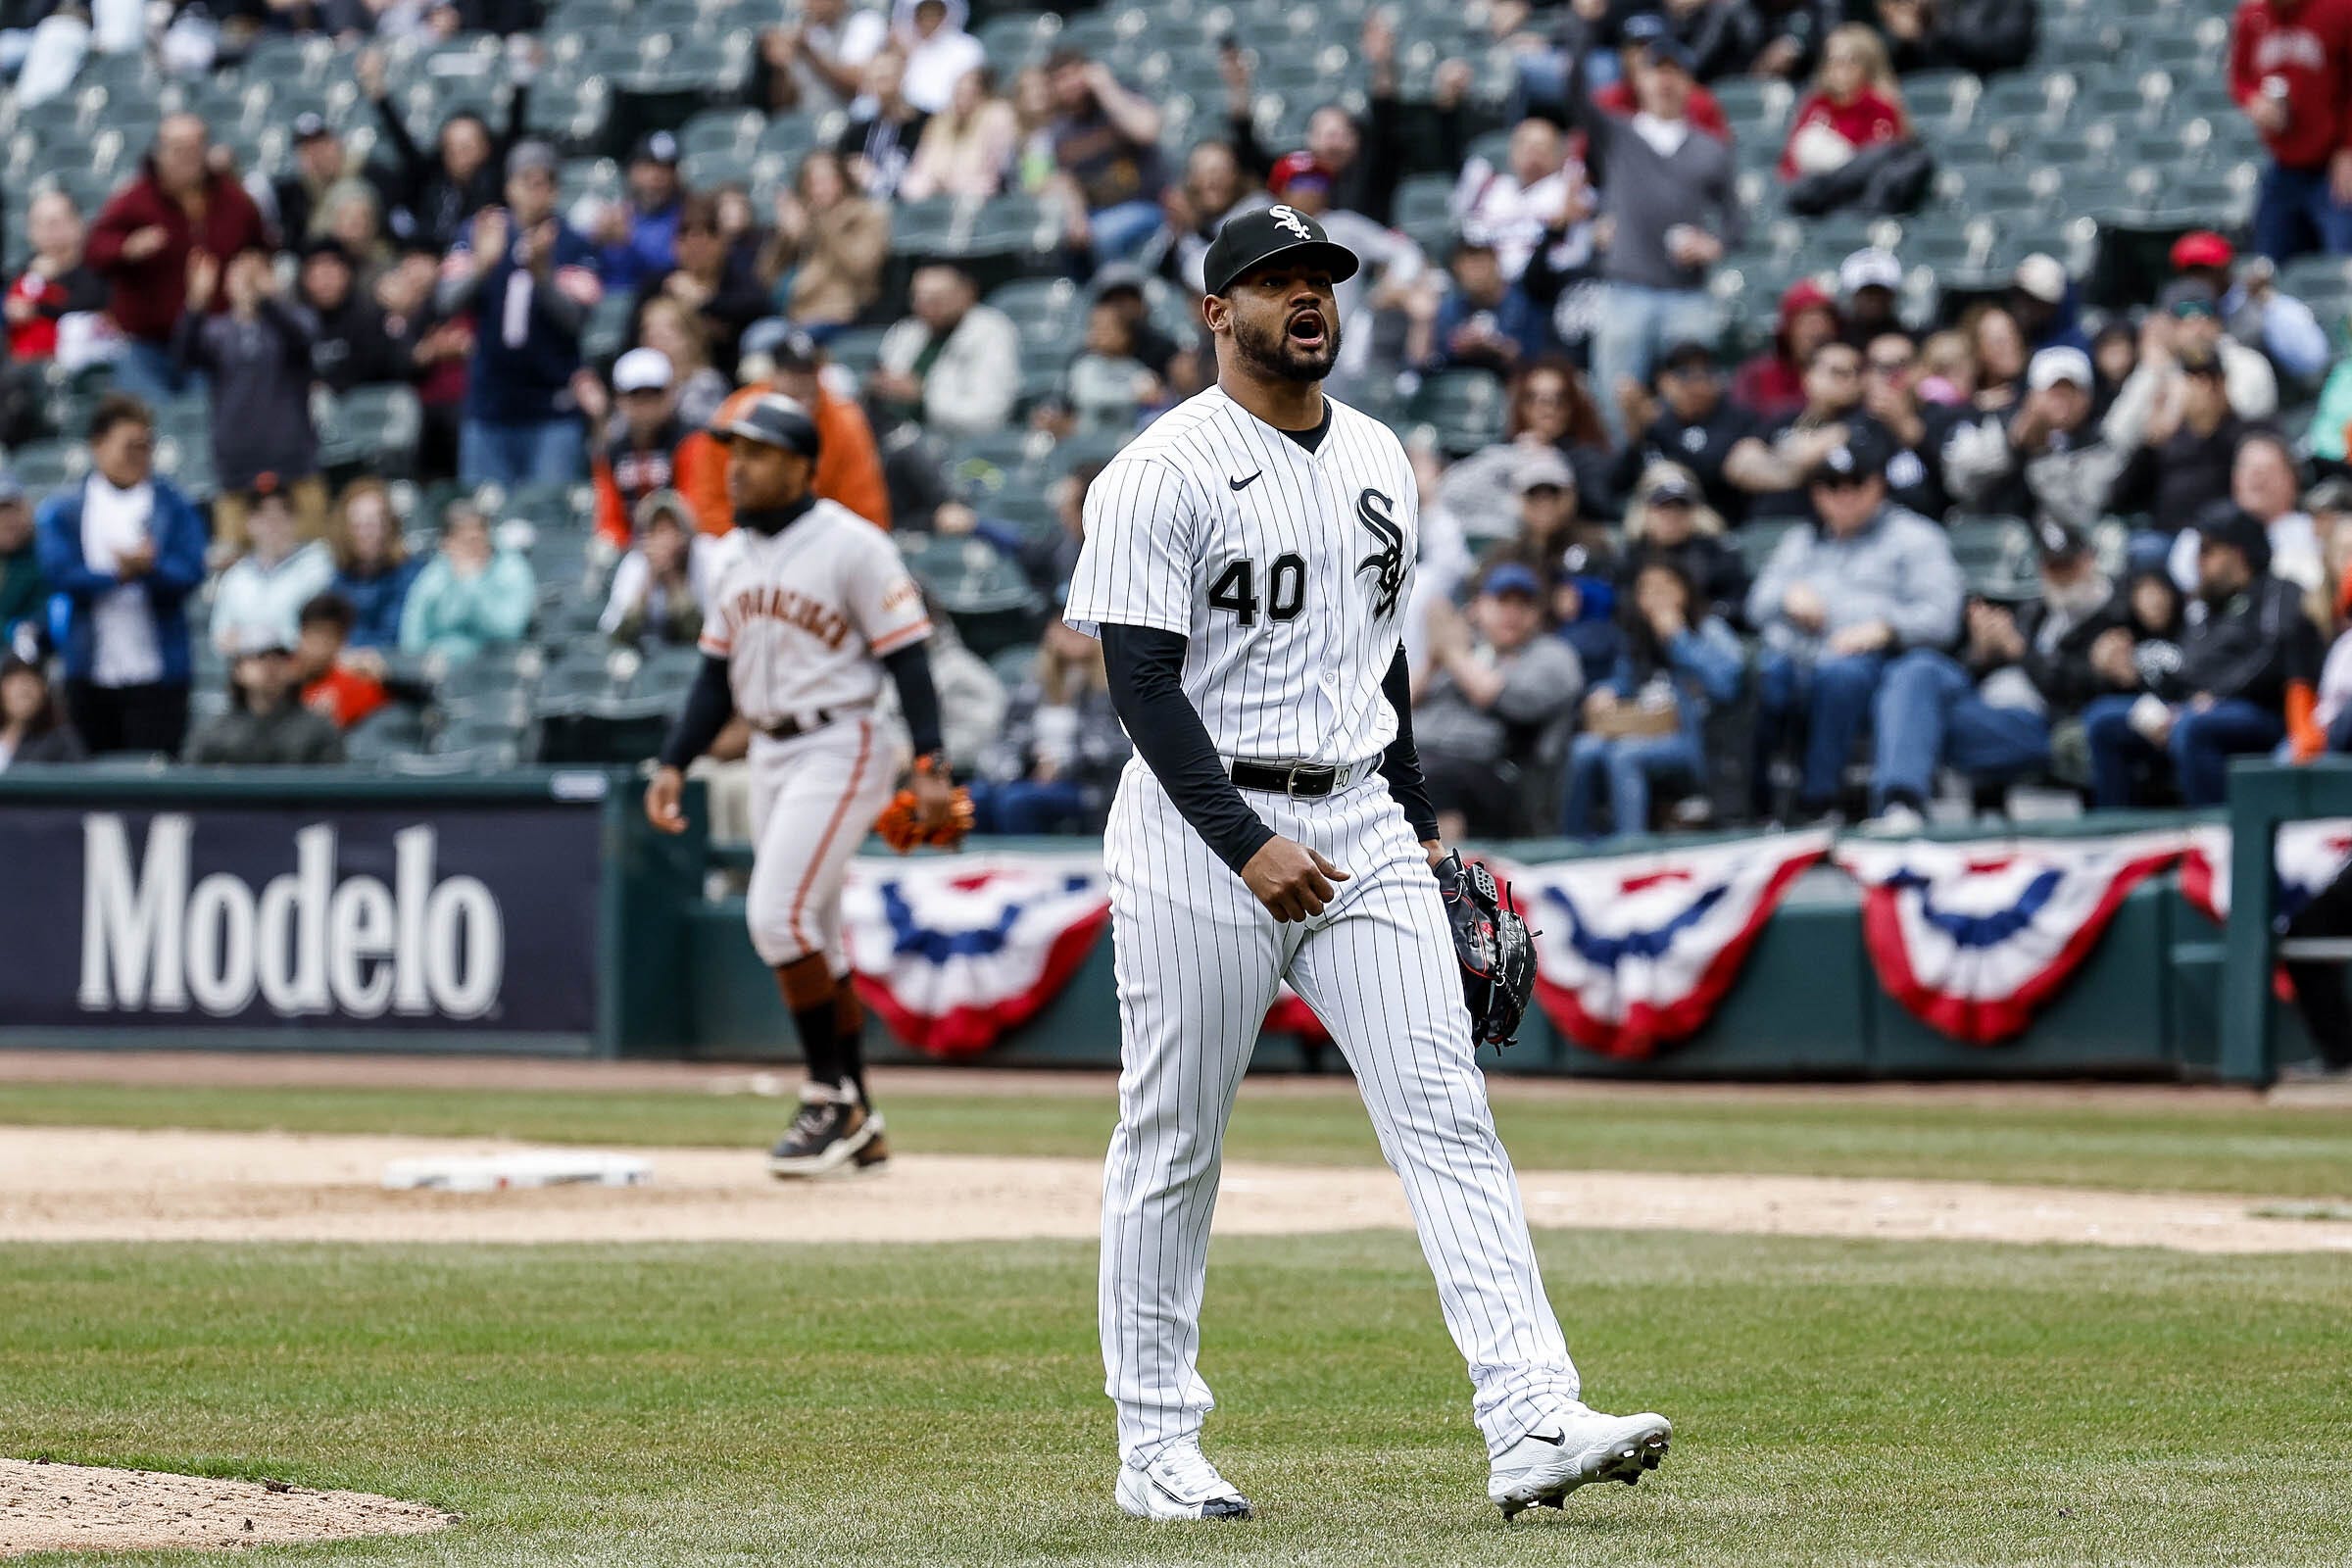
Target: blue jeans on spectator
{"type": "Point", "coordinates": [2200, 747]}
{"type": "Point", "coordinates": [1119, 230]}
{"type": "Point", "coordinates": [1929, 713]}
{"type": "Point", "coordinates": [2296, 213]}
{"type": "Point", "coordinates": [544, 452]}
{"type": "Point", "coordinates": [151, 374]}
{"type": "Point", "coordinates": [1637, 326]}
{"type": "Point", "coordinates": [1024, 805]}
{"type": "Point", "coordinates": [1630, 763]}
{"type": "Point", "coordinates": [1825, 702]}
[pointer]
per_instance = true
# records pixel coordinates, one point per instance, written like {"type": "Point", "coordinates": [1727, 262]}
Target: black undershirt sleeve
{"type": "Point", "coordinates": [1146, 666]}
{"type": "Point", "coordinates": [1401, 764]}
{"type": "Point", "coordinates": [709, 704]}
{"type": "Point", "coordinates": [918, 699]}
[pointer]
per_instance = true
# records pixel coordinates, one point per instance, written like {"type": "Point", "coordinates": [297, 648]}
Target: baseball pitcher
{"type": "Point", "coordinates": [1245, 565]}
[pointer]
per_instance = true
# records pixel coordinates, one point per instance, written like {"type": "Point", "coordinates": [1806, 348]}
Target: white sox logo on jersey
{"type": "Point", "coordinates": [1387, 563]}
{"type": "Point", "coordinates": [1290, 220]}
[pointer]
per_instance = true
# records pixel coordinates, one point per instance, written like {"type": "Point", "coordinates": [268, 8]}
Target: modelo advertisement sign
{"type": "Point", "coordinates": [444, 917]}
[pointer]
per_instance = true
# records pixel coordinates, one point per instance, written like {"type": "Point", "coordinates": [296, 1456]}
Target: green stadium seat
{"type": "Point", "coordinates": [1463, 407]}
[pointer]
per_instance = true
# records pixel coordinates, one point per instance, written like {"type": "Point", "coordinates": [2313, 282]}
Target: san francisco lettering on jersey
{"type": "Point", "coordinates": [823, 621]}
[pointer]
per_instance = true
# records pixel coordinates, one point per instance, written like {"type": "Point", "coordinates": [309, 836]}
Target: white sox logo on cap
{"type": "Point", "coordinates": [1290, 220]}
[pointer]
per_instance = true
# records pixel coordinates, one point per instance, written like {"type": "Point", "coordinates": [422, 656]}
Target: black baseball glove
{"type": "Point", "coordinates": [1497, 953]}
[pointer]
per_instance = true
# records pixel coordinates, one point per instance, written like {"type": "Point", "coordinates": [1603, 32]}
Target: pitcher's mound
{"type": "Point", "coordinates": [62, 1507]}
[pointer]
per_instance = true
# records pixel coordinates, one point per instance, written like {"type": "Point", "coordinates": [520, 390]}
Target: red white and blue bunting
{"type": "Point", "coordinates": [2308, 856]}
{"type": "Point", "coordinates": [1634, 952]}
{"type": "Point", "coordinates": [1974, 937]}
{"type": "Point", "coordinates": [954, 951]}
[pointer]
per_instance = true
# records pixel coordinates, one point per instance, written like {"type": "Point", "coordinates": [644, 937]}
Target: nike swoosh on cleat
{"type": "Point", "coordinates": [1244, 484]}
{"type": "Point", "coordinates": [1555, 1439]}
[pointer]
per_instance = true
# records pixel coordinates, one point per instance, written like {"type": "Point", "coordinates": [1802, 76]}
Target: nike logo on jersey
{"type": "Point", "coordinates": [1387, 563]}
{"type": "Point", "coordinates": [1244, 484]}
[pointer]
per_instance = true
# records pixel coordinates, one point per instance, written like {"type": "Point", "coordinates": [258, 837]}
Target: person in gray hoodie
{"type": "Point", "coordinates": [1839, 598]}
{"type": "Point", "coordinates": [1668, 196]}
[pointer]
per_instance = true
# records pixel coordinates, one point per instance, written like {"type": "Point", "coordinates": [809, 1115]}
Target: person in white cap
{"type": "Point", "coordinates": [1868, 282]}
{"type": "Point", "coordinates": [2068, 466]}
{"type": "Point", "coordinates": [638, 454]}
{"type": "Point", "coordinates": [2041, 298]}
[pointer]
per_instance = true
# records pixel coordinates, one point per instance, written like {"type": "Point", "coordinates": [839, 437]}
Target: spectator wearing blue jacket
{"type": "Point", "coordinates": [122, 552]}
{"type": "Point", "coordinates": [1483, 319]}
{"type": "Point", "coordinates": [637, 239]}
{"type": "Point", "coordinates": [1645, 726]}
{"type": "Point", "coordinates": [2047, 307]}
{"type": "Point", "coordinates": [372, 565]}
{"type": "Point", "coordinates": [530, 283]}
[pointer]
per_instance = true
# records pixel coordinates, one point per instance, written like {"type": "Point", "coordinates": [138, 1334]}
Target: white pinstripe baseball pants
{"type": "Point", "coordinates": [1199, 960]}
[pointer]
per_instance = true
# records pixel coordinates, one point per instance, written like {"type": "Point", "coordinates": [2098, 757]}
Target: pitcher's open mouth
{"type": "Point", "coordinates": [1306, 328]}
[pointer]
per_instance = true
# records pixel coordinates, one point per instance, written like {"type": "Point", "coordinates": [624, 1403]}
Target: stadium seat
{"type": "Point", "coordinates": [1464, 408]}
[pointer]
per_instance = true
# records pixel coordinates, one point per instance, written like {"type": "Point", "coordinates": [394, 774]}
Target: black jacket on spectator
{"type": "Point", "coordinates": [1700, 448]}
{"type": "Point", "coordinates": [1878, 181]}
{"type": "Point", "coordinates": [425, 202]}
{"type": "Point", "coordinates": [351, 347]}
{"type": "Point", "coordinates": [1369, 184]}
{"type": "Point", "coordinates": [1736, 31]}
{"type": "Point", "coordinates": [1978, 35]}
{"type": "Point", "coordinates": [261, 377]}
{"type": "Point", "coordinates": [1716, 569]}
{"type": "Point", "coordinates": [739, 301]}
{"type": "Point", "coordinates": [291, 736]}
{"type": "Point", "coordinates": [2062, 673]}
{"type": "Point", "coordinates": [2173, 481]}
{"type": "Point", "coordinates": [2250, 647]}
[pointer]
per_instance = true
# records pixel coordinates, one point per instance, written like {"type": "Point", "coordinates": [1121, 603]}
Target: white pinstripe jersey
{"type": "Point", "coordinates": [804, 616]}
{"type": "Point", "coordinates": [1288, 570]}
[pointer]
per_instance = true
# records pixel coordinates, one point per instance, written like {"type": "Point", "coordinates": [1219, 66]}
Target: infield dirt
{"type": "Point", "coordinates": [111, 1184]}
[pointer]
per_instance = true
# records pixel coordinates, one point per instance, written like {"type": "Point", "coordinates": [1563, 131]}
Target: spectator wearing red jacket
{"type": "Point", "coordinates": [176, 205]}
{"type": "Point", "coordinates": [56, 283]}
{"type": "Point", "coordinates": [1772, 385]}
{"type": "Point", "coordinates": [2290, 70]}
{"type": "Point", "coordinates": [1854, 104]}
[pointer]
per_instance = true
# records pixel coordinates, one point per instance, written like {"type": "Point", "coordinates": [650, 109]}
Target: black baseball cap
{"type": "Point", "coordinates": [2227, 524]}
{"type": "Point", "coordinates": [656, 147]}
{"type": "Point", "coordinates": [2054, 541]}
{"type": "Point", "coordinates": [774, 421]}
{"type": "Point", "coordinates": [1860, 457]}
{"type": "Point", "coordinates": [1687, 355]}
{"type": "Point", "coordinates": [1249, 240]}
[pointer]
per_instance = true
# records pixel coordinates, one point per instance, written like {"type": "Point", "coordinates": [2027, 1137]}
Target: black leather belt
{"type": "Point", "coordinates": [1301, 781]}
{"type": "Point", "coordinates": [791, 728]}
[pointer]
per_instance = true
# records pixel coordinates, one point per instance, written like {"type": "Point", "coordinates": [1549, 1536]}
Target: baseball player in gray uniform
{"type": "Point", "coordinates": [1245, 565]}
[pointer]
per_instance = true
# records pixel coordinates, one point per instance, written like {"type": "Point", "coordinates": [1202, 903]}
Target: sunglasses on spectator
{"type": "Point", "coordinates": [1543, 397]}
{"type": "Point", "coordinates": [1841, 481]}
{"type": "Point", "coordinates": [1891, 366]}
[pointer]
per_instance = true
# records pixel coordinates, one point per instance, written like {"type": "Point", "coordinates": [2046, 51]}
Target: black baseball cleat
{"type": "Point", "coordinates": [832, 1130]}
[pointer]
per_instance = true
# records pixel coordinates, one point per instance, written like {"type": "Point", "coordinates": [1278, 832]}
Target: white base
{"type": "Point", "coordinates": [500, 1173]}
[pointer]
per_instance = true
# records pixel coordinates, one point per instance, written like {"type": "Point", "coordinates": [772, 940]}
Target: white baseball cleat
{"type": "Point", "coordinates": [1574, 1449]}
{"type": "Point", "coordinates": [1179, 1482]}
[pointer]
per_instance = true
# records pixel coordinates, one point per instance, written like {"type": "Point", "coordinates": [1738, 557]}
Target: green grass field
{"type": "Point", "coordinates": [1836, 1403]}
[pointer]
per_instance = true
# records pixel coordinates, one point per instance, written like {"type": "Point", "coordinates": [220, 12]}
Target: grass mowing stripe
{"type": "Point", "coordinates": [1836, 1403]}
{"type": "Point", "coordinates": [2250, 1149]}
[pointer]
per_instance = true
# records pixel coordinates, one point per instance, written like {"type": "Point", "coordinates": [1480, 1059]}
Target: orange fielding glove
{"type": "Point", "coordinates": [904, 824]}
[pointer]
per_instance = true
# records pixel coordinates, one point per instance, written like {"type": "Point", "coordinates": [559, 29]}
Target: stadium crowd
{"type": "Point", "coordinates": [1918, 549]}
